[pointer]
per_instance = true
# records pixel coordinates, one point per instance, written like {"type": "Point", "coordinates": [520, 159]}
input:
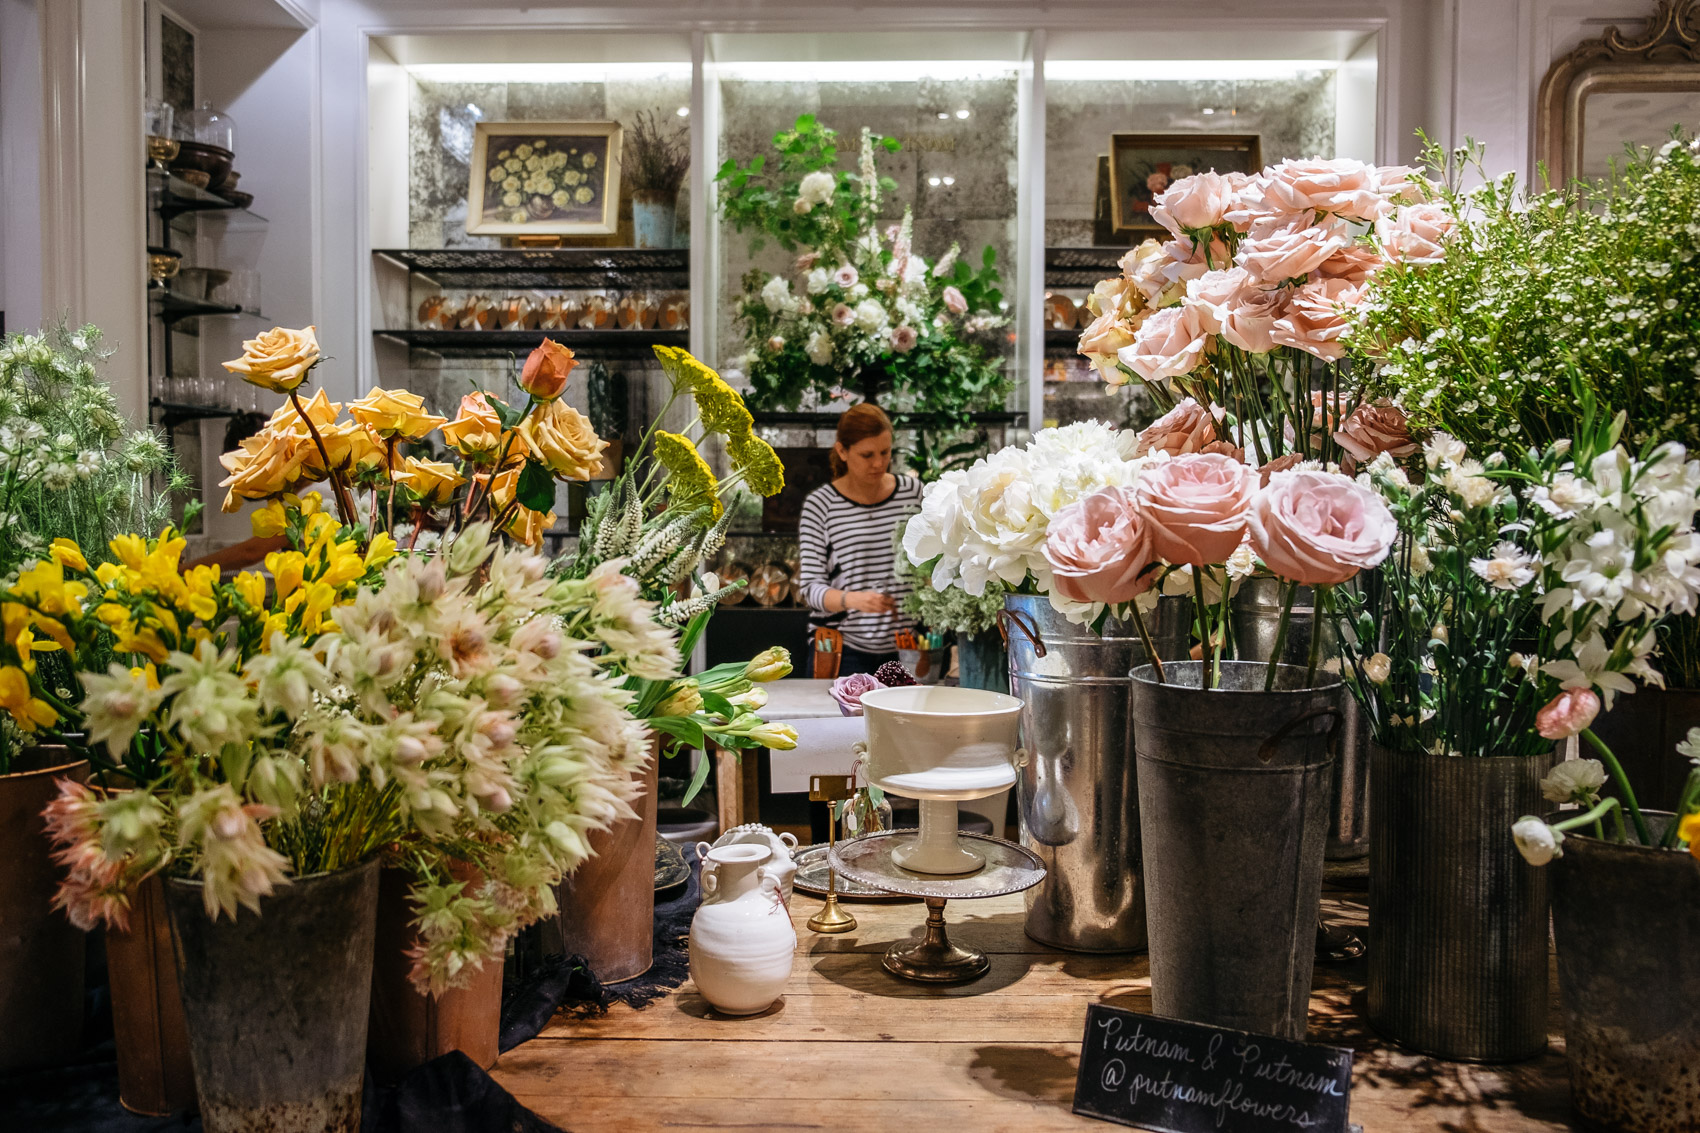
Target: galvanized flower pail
{"type": "Point", "coordinates": [1233, 814]}
{"type": "Point", "coordinates": [1079, 806]}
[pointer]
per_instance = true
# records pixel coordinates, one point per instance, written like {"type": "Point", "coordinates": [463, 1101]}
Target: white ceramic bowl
{"type": "Point", "coordinates": [941, 742]}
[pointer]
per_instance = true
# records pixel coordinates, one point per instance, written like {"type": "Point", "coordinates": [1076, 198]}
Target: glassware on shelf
{"type": "Point", "coordinates": [163, 263]}
{"type": "Point", "coordinates": [156, 124]}
{"type": "Point", "coordinates": [243, 290]}
{"type": "Point", "coordinates": [209, 127]}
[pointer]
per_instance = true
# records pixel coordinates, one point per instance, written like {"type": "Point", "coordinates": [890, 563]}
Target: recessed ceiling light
{"type": "Point", "coordinates": [684, 112]}
{"type": "Point", "coordinates": [944, 114]}
{"type": "Point", "coordinates": [950, 180]}
{"type": "Point", "coordinates": [932, 180]}
{"type": "Point", "coordinates": [1209, 110]}
{"type": "Point", "coordinates": [962, 113]}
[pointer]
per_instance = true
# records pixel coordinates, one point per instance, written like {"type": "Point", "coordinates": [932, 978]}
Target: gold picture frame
{"type": "Point", "coordinates": [1138, 161]}
{"type": "Point", "coordinates": [544, 179]}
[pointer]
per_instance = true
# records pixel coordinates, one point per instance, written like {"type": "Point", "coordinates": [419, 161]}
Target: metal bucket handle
{"type": "Point", "coordinates": [1007, 617]}
{"type": "Point", "coordinates": [1266, 751]}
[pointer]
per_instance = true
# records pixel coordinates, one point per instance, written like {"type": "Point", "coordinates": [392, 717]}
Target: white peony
{"type": "Point", "coordinates": [776, 294]}
{"type": "Point", "coordinates": [871, 315]}
{"type": "Point", "coordinates": [819, 348]}
{"type": "Point", "coordinates": [817, 281]}
{"type": "Point", "coordinates": [817, 188]}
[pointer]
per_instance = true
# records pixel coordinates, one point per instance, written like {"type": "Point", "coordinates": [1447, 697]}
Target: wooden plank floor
{"type": "Point", "coordinates": [851, 1047]}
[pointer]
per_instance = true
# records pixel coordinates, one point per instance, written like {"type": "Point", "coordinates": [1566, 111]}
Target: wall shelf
{"type": "Point", "coordinates": [173, 306]}
{"type": "Point", "coordinates": [660, 268]}
{"type": "Point", "coordinates": [829, 419]}
{"type": "Point", "coordinates": [1082, 267]}
{"type": "Point", "coordinates": [624, 345]}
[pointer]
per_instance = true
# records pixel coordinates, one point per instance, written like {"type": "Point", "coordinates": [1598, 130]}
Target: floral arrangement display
{"type": "Point", "coordinates": [948, 609]}
{"type": "Point", "coordinates": [656, 160]}
{"type": "Point", "coordinates": [70, 468]}
{"type": "Point", "coordinates": [861, 309]}
{"type": "Point", "coordinates": [1521, 584]}
{"type": "Point", "coordinates": [508, 459]}
{"type": "Point", "coordinates": [1236, 325]}
{"type": "Point", "coordinates": [848, 690]}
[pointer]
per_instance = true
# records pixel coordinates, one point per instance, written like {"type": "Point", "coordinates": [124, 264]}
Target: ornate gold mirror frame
{"type": "Point", "coordinates": [1664, 57]}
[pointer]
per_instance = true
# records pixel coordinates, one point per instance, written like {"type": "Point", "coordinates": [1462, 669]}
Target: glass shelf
{"type": "Point", "coordinates": [172, 196]}
{"type": "Point", "coordinates": [604, 344]}
{"type": "Point", "coordinates": [547, 267]}
{"type": "Point", "coordinates": [174, 306]}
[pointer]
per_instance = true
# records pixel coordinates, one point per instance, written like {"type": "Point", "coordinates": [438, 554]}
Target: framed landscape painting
{"type": "Point", "coordinates": [544, 179]}
{"type": "Point", "coordinates": [1143, 165]}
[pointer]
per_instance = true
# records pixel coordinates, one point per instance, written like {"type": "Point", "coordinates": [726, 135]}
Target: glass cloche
{"type": "Point", "coordinates": [208, 126]}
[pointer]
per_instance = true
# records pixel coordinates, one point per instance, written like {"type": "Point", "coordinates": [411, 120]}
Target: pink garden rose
{"type": "Point", "coordinates": [806, 261]}
{"type": "Point", "coordinates": [1279, 464]}
{"type": "Point", "coordinates": [1416, 234]}
{"type": "Point", "coordinates": [1103, 338]}
{"type": "Point", "coordinates": [954, 300]}
{"type": "Point", "coordinates": [1195, 507]}
{"type": "Point", "coordinates": [848, 691]}
{"type": "Point", "coordinates": [1315, 319]}
{"type": "Point", "coordinates": [845, 275]}
{"type": "Point", "coordinates": [1373, 429]}
{"type": "Point", "coordinates": [1099, 549]}
{"type": "Point", "coordinates": [1214, 293]}
{"type": "Point", "coordinates": [1319, 528]}
{"type": "Point", "coordinates": [1143, 268]}
{"type": "Point", "coordinates": [1568, 713]}
{"type": "Point", "coordinates": [1250, 322]}
{"type": "Point", "coordinates": [1185, 429]}
{"type": "Point", "coordinates": [1288, 246]}
{"type": "Point", "coordinates": [903, 339]}
{"type": "Point", "coordinates": [1188, 259]}
{"type": "Point", "coordinates": [1193, 202]}
{"type": "Point", "coordinates": [1168, 344]}
{"type": "Point", "coordinates": [843, 314]}
{"type": "Point", "coordinates": [1354, 263]}
{"type": "Point", "coordinates": [1341, 186]}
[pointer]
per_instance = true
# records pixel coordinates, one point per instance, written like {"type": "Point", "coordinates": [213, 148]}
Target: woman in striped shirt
{"type": "Point", "coordinates": [847, 542]}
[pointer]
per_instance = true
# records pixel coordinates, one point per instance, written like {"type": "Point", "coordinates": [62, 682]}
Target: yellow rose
{"type": "Point", "coordinates": [564, 440]}
{"type": "Point", "coordinates": [267, 464]}
{"type": "Point", "coordinates": [476, 432]}
{"type": "Point", "coordinates": [394, 413]}
{"type": "Point", "coordinates": [320, 409]}
{"type": "Point", "coordinates": [525, 525]}
{"type": "Point", "coordinates": [347, 444]}
{"type": "Point", "coordinates": [433, 481]}
{"type": "Point", "coordinates": [278, 360]}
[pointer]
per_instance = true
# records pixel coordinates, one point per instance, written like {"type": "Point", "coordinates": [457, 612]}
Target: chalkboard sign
{"type": "Point", "coordinates": [1175, 1077]}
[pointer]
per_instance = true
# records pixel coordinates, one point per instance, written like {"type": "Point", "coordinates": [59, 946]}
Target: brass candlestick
{"type": "Point", "coordinates": [831, 789]}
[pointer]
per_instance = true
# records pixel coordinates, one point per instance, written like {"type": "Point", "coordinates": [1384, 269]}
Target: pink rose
{"type": "Point", "coordinates": [1354, 263]}
{"type": "Point", "coordinates": [848, 691]}
{"type": "Point", "coordinates": [843, 315]}
{"type": "Point", "coordinates": [1187, 428]}
{"type": "Point", "coordinates": [1250, 322]}
{"type": "Point", "coordinates": [1397, 184]}
{"type": "Point", "coordinates": [1572, 710]}
{"type": "Point", "coordinates": [1143, 268]}
{"type": "Point", "coordinates": [1188, 259]}
{"type": "Point", "coordinates": [845, 276]}
{"type": "Point", "coordinates": [1341, 186]}
{"type": "Point", "coordinates": [1195, 507]}
{"type": "Point", "coordinates": [1279, 464]}
{"type": "Point", "coordinates": [1416, 234]}
{"type": "Point", "coordinates": [1279, 248]}
{"type": "Point", "coordinates": [903, 339]}
{"type": "Point", "coordinates": [1214, 292]}
{"type": "Point", "coordinates": [807, 261]}
{"type": "Point", "coordinates": [1168, 344]}
{"type": "Point", "coordinates": [1319, 528]}
{"type": "Point", "coordinates": [954, 300]}
{"type": "Point", "coordinates": [776, 343]}
{"type": "Point", "coordinates": [1193, 202]}
{"type": "Point", "coordinates": [1315, 319]}
{"type": "Point", "coordinates": [1248, 205]}
{"type": "Point", "coordinates": [1375, 429]}
{"type": "Point", "coordinates": [1099, 549]}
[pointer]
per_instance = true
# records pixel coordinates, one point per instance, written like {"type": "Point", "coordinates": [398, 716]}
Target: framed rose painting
{"type": "Point", "coordinates": [544, 179]}
{"type": "Point", "coordinates": [1143, 165]}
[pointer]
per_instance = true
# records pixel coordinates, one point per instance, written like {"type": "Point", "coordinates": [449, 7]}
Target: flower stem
{"type": "Point", "coordinates": [1145, 636]}
{"type": "Point", "coordinates": [1592, 817]}
{"type": "Point", "coordinates": [1203, 610]}
{"type": "Point", "coordinates": [1280, 636]}
{"type": "Point", "coordinates": [1318, 604]}
{"type": "Point", "coordinates": [1623, 786]}
{"type": "Point", "coordinates": [1685, 803]}
{"type": "Point", "coordinates": [1221, 634]}
{"type": "Point", "coordinates": [338, 490]}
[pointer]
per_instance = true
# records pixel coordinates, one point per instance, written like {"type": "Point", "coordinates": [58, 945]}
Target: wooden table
{"type": "Point", "coordinates": [853, 1048]}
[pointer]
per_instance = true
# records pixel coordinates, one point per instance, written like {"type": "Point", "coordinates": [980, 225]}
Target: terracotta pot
{"type": "Point", "coordinates": [608, 904]}
{"type": "Point", "coordinates": [155, 1075]}
{"type": "Point", "coordinates": [41, 953]}
{"type": "Point", "coordinates": [407, 1029]}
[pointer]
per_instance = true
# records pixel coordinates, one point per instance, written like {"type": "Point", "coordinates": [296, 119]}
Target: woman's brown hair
{"type": "Point", "coordinates": [856, 424]}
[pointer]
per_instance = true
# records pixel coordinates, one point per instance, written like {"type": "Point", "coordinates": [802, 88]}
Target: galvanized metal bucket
{"type": "Point", "coordinates": [1233, 813]}
{"type": "Point", "coordinates": [1079, 807]}
{"type": "Point", "coordinates": [1457, 918]}
{"type": "Point", "coordinates": [277, 1002]}
{"type": "Point", "coordinates": [1627, 922]}
{"type": "Point", "coordinates": [1256, 613]}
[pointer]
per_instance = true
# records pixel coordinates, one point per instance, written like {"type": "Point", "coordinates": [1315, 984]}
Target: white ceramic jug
{"type": "Point", "coordinates": [755, 834]}
{"type": "Point", "coordinates": [742, 942]}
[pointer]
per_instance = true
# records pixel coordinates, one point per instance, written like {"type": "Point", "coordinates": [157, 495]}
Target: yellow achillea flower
{"type": "Point", "coordinates": [721, 407]}
{"type": "Point", "coordinates": [689, 476]}
{"type": "Point", "coordinates": [763, 471]}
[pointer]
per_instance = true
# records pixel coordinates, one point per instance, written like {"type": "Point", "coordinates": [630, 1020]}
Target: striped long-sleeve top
{"type": "Point", "coordinates": [844, 545]}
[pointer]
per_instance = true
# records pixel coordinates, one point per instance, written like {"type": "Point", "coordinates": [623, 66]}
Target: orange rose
{"type": "Point", "coordinates": [476, 432]}
{"type": "Point", "coordinates": [546, 370]}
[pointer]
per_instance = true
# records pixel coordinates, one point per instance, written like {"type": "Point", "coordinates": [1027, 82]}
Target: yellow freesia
{"type": "Point", "coordinates": [67, 553]}
{"type": "Point", "coordinates": [201, 587]}
{"type": "Point", "coordinates": [28, 711]}
{"type": "Point", "coordinates": [129, 550]}
{"type": "Point", "coordinates": [251, 588]}
{"type": "Point", "coordinates": [1689, 831]}
{"type": "Point", "coordinates": [287, 569]}
{"type": "Point", "coordinates": [108, 573]}
{"type": "Point", "coordinates": [149, 672]}
{"type": "Point", "coordinates": [382, 549]}
{"type": "Point", "coordinates": [44, 584]}
{"type": "Point", "coordinates": [269, 521]}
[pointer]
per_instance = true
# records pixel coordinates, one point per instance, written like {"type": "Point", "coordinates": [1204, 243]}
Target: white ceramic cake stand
{"type": "Point", "coordinates": [1008, 868]}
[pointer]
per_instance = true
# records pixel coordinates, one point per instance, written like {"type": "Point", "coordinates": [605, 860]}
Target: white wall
{"type": "Point", "coordinates": [20, 164]}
